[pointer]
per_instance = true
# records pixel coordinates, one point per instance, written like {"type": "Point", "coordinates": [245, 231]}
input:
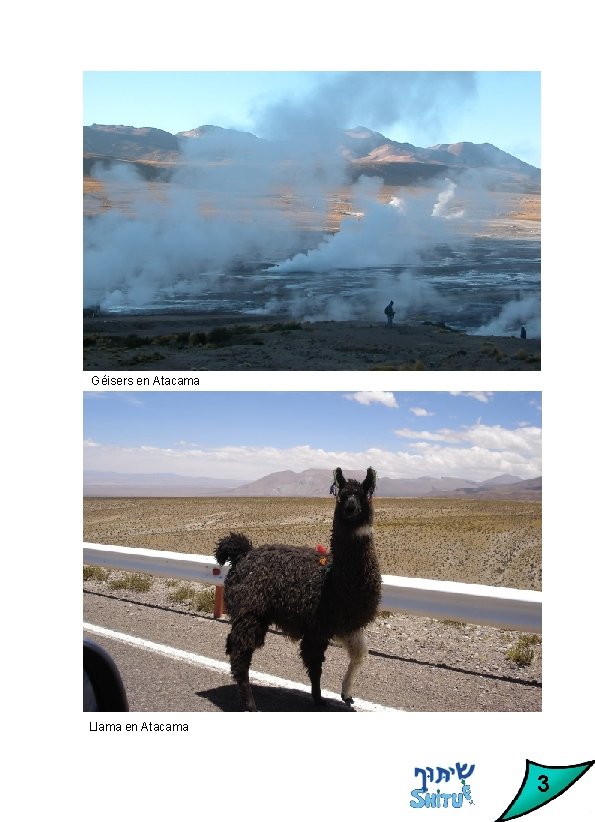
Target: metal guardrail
{"type": "Point", "coordinates": [508, 608]}
{"type": "Point", "coordinates": [171, 564]}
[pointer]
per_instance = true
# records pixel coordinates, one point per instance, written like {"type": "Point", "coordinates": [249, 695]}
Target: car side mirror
{"type": "Point", "coordinates": [103, 689]}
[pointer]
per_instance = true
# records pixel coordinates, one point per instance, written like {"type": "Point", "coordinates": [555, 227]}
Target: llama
{"type": "Point", "coordinates": [310, 597]}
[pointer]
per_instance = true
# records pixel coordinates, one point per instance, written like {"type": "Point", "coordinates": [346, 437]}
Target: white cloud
{"type": "Point", "coordinates": [441, 435]}
{"type": "Point", "coordinates": [369, 397]}
{"type": "Point", "coordinates": [421, 412]}
{"type": "Point", "coordinates": [476, 453]}
{"type": "Point", "coordinates": [525, 439]}
{"type": "Point", "coordinates": [480, 396]}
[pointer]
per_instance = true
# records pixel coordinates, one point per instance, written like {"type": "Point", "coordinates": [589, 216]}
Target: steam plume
{"type": "Point", "coordinates": [233, 199]}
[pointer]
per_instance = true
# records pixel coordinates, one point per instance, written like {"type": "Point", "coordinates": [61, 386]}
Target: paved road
{"type": "Point", "coordinates": [157, 681]}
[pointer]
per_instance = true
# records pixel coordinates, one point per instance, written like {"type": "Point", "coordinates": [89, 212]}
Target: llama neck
{"type": "Point", "coordinates": [354, 577]}
{"type": "Point", "coordinates": [352, 546]}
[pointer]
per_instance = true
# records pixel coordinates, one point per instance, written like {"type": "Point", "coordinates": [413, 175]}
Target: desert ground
{"type": "Point", "coordinates": [195, 342]}
{"type": "Point", "coordinates": [490, 542]}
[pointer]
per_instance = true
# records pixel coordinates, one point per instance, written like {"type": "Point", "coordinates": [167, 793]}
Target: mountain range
{"type": "Point", "coordinates": [156, 153]}
{"type": "Point", "coordinates": [313, 482]}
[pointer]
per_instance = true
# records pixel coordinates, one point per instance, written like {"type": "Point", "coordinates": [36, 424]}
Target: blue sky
{"type": "Point", "coordinates": [500, 107]}
{"type": "Point", "coordinates": [246, 435]}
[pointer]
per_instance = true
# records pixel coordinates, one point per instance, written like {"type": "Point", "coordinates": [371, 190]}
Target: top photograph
{"type": "Point", "coordinates": [312, 221]}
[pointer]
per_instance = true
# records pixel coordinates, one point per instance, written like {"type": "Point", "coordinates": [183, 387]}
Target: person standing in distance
{"type": "Point", "coordinates": [390, 313]}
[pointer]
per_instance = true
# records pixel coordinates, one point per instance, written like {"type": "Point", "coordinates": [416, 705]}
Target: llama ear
{"type": "Point", "coordinates": [369, 484]}
{"type": "Point", "coordinates": [338, 478]}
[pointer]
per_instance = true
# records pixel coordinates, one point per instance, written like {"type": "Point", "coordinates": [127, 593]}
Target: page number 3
{"type": "Point", "coordinates": [545, 786]}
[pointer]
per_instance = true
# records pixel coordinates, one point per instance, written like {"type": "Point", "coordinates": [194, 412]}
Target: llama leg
{"type": "Point", "coordinates": [312, 651]}
{"type": "Point", "coordinates": [357, 649]}
{"type": "Point", "coordinates": [245, 636]}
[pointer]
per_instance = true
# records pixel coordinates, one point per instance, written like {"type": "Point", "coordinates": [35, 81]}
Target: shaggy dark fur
{"type": "Point", "coordinates": [309, 600]}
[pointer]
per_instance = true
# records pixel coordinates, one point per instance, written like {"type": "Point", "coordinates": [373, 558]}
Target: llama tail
{"type": "Point", "coordinates": [232, 548]}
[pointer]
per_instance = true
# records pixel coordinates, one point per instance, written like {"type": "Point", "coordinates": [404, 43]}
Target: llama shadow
{"type": "Point", "coordinates": [270, 700]}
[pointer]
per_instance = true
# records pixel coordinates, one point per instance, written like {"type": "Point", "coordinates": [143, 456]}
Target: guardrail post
{"type": "Point", "coordinates": [219, 609]}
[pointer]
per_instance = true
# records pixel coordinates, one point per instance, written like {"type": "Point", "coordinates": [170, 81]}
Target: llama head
{"type": "Point", "coordinates": [353, 503]}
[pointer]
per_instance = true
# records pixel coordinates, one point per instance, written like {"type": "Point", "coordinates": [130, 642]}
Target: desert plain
{"type": "Point", "coordinates": [489, 542]}
{"type": "Point", "coordinates": [166, 342]}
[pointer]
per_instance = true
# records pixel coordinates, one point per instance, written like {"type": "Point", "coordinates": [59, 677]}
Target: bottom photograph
{"type": "Point", "coordinates": [312, 551]}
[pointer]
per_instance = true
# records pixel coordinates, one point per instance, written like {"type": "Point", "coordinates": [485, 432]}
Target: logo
{"type": "Point", "coordinates": [429, 795]}
{"type": "Point", "coordinates": [541, 784]}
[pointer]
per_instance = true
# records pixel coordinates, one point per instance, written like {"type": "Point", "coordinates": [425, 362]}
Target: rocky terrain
{"type": "Point", "coordinates": [195, 342]}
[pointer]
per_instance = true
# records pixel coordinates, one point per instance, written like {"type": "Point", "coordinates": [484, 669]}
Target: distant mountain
{"type": "Point", "coordinates": [523, 490]}
{"type": "Point", "coordinates": [502, 479]}
{"type": "Point", "coordinates": [364, 146]}
{"type": "Point", "coordinates": [229, 136]}
{"type": "Point", "coordinates": [128, 143]}
{"type": "Point", "coordinates": [479, 155]}
{"type": "Point", "coordinates": [365, 152]}
{"type": "Point", "coordinates": [313, 482]}
{"type": "Point", "coordinates": [316, 482]}
{"type": "Point", "coordinates": [422, 487]}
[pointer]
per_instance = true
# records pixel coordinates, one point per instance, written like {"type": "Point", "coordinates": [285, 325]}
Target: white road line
{"type": "Point", "coordinates": [223, 667]}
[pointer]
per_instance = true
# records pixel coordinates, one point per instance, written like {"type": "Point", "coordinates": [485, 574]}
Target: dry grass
{"type": "Point", "coordinates": [198, 597]}
{"type": "Point", "coordinates": [95, 572]}
{"type": "Point", "coordinates": [490, 542]}
{"type": "Point", "coordinates": [132, 582]}
{"type": "Point", "coordinates": [523, 651]}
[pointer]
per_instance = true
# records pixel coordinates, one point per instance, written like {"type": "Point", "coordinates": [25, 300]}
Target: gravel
{"type": "Point", "coordinates": [416, 663]}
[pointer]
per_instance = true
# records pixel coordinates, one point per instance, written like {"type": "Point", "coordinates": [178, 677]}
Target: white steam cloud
{"type": "Point", "coordinates": [516, 313]}
{"type": "Point", "coordinates": [378, 99]}
{"type": "Point", "coordinates": [176, 238]}
{"type": "Point", "coordinates": [380, 235]}
{"type": "Point", "coordinates": [235, 201]}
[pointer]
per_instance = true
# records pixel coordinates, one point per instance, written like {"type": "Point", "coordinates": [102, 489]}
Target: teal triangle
{"type": "Point", "coordinates": [541, 784]}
